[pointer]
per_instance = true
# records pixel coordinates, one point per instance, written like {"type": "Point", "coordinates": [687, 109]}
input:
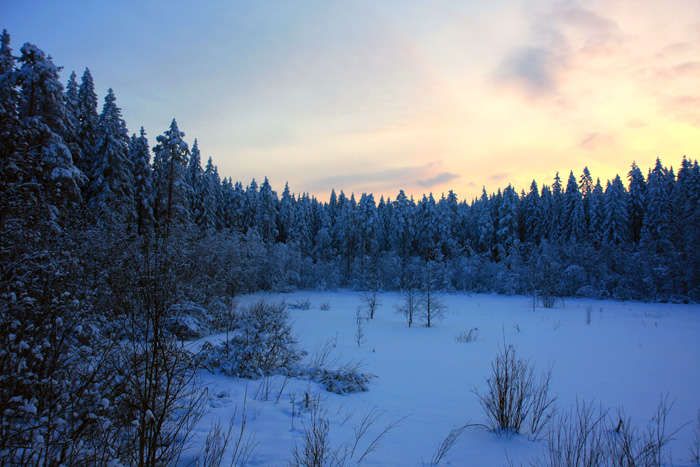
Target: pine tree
{"type": "Point", "coordinates": [573, 216]}
{"type": "Point", "coordinates": [286, 214]}
{"type": "Point", "coordinates": [585, 186]}
{"type": "Point", "coordinates": [401, 229]}
{"type": "Point", "coordinates": [194, 178]}
{"type": "Point", "coordinates": [597, 214]}
{"type": "Point", "coordinates": [532, 215]}
{"type": "Point", "coordinates": [9, 116]}
{"type": "Point", "coordinates": [46, 125]}
{"type": "Point", "coordinates": [250, 206]}
{"type": "Point", "coordinates": [210, 197]}
{"type": "Point", "coordinates": [345, 232]}
{"type": "Point", "coordinates": [140, 155]}
{"type": "Point", "coordinates": [384, 208]}
{"type": "Point", "coordinates": [169, 166]}
{"type": "Point", "coordinates": [637, 192]}
{"type": "Point", "coordinates": [71, 99]}
{"type": "Point", "coordinates": [655, 234]}
{"type": "Point", "coordinates": [323, 248]}
{"type": "Point", "coordinates": [111, 189]}
{"type": "Point", "coordinates": [367, 221]}
{"type": "Point", "coordinates": [266, 216]}
{"type": "Point", "coordinates": [507, 234]}
{"type": "Point", "coordinates": [555, 210]}
{"type": "Point", "coordinates": [486, 229]}
{"type": "Point", "coordinates": [426, 225]}
{"type": "Point", "coordinates": [87, 119]}
{"type": "Point", "coordinates": [616, 225]}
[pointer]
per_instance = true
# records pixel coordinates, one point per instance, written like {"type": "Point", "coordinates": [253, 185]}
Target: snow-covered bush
{"type": "Point", "coordinates": [260, 343]}
{"type": "Point", "coordinates": [186, 321]}
{"type": "Point", "coordinates": [344, 379]}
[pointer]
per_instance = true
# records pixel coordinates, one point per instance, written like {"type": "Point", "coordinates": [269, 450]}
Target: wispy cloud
{"type": "Point", "coordinates": [498, 176]}
{"type": "Point", "coordinates": [684, 108]}
{"type": "Point", "coordinates": [531, 69]}
{"type": "Point", "coordinates": [437, 180]}
{"type": "Point", "coordinates": [408, 178]}
{"type": "Point", "coordinates": [556, 36]}
{"type": "Point", "coordinates": [593, 141]}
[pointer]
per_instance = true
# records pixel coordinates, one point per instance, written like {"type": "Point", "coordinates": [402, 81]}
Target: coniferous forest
{"type": "Point", "coordinates": [105, 235]}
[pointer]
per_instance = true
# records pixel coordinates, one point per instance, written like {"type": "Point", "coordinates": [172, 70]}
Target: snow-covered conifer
{"type": "Point", "coordinates": [140, 154]}
{"type": "Point", "coordinates": [87, 119]}
{"type": "Point", "coordinates": [111, 189]}
{"type": "Point", "coordinates": [616, 224]}
{"type": "Point", "coordinates": [169, 167]}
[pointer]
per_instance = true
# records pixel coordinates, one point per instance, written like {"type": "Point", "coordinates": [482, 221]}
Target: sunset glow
{"type": "Point", "coordinates": [382, 96]}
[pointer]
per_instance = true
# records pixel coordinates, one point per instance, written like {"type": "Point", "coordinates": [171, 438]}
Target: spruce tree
{"type": "Point", "coordinates": [637, 192]}
{"type": "Point", "coordinates": [616, 224]}
{"type": "Point", "coordinates": [111, 189]}
{"type": "Point", "coordinates": [45, 125]}
{"type": "Point", "coordinates": [170, 186]}
{"type": "Point", "coordinates": [87, 120]}
{"type": "Point", "coordinates": [194, 179]}
{"type": "Point", "coordinates": [209, 197]}
{"type": "Point", "coordinates": [140, 155]}
{"type": "Point", "coordinates": [266, 219]}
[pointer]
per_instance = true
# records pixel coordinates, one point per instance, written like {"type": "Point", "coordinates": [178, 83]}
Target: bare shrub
{"type": "Point", "coordinates": [362, 430]}
{"type": "Point", "coordinates": [325, 306]}
{"type": "Point", "coordinates": [586, 437]}
{"type": "Point", "coordinates": [543, 406]}
{"type": "Point", "coordinates": [219, 442]}
{"type": "Point", "coordinates": [695, 447]}
{"type": "Point", "coordinates": [447, 443]}
{"type": "Point", "coordinates": [468, 336]}
{"type": "Point", "coordinates": [629, 446]}
{"type": "Point", "coordinates": [577, 439]}
{"type": "Point", "coordinates": [513, 392]}
{"type": "Point", "coordinates": [316, 450]}
{"type": "Point", "coordinates": [300, 304]}
{"type": "Point", "coordinates": [267, 389]}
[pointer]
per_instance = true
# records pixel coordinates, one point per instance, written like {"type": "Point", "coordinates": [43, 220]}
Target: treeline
{"type": "Point", "coordinates": [632, 239]}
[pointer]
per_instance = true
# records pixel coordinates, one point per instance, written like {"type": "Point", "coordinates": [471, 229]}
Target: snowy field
{"type": "Point", "coordinates": [628, 356]}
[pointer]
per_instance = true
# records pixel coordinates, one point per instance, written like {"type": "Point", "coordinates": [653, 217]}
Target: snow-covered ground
{"type": "Point", "coordinates": [628, 356]}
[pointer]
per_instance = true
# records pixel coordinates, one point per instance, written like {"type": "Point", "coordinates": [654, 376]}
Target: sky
{"type": "Point", "coordinates": [378, 96]}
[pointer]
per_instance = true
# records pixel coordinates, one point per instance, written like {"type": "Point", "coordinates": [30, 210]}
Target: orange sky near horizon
{"type": "Point", "coordinates": [381, 96]}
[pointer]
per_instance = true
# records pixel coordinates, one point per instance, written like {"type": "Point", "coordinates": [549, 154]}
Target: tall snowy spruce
{"type": "Point", "coordinates": [140, 155]}
{"type": "Point", "coordinates": [45, 126]}
{"type": "Point", "coordinates": [87, 119]}
{"type": "Point", "coordinates": [170, 185]}
{"type": "Point", "coordinates": [110, 195]}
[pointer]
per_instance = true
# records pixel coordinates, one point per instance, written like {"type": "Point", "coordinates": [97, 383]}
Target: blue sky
{"type": "Point", "coordinates": [370, 96]}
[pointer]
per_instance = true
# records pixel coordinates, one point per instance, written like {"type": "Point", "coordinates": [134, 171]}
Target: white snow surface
{"type": "Point", "coordinates": [628, 356]}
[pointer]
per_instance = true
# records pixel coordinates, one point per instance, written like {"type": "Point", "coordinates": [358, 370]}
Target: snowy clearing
{"type": "Point", "coordinates": [628, 356]}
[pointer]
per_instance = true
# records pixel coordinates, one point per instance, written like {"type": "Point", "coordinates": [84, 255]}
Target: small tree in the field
{"type": "Point", "coordinates": [409, 306]}
{"type": "Point", "coordinates": [371, 301]}
{"type": "Point", "coordinates": [431, 308]}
